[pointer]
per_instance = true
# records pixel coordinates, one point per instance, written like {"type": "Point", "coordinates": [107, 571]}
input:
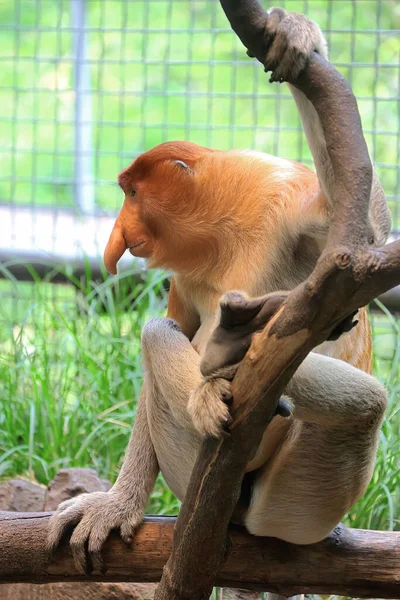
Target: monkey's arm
{"type": "Point", "coordinates": [293, 37]}
{"type": "Point", "coordinates": [188, 319]}
{"type": "Point", "coordinates": [121, 507]}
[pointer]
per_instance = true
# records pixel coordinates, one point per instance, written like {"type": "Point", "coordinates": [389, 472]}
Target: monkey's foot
{"type": "Point", "coordinates": [241, 317]}
{"type": "Point", "coordinates": [93, 516]}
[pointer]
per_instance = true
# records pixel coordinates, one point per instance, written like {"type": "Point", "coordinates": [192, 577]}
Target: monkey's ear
{"type": "Point", "coordinates": [183, 165]}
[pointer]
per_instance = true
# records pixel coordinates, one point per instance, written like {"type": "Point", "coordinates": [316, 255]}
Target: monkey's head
{"type": "Point", "coordinates": [190, 209]}
{"type": "Point", "coordinates": [158, 218]}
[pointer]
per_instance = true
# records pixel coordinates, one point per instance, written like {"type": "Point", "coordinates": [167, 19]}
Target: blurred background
{"type": "Point", "coordinates": [86, 86]}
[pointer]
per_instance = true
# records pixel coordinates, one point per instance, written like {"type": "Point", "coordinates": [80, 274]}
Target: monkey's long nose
{"type": "Point", "coordinates": [115, 248]}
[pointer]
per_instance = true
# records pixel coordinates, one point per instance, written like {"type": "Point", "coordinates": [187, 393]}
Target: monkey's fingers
{"type": "Point", "coordinates": [59, 524]}
{"type": "Point", "coordinates": [275, 54]}
{"type": "Point", "coordinates": [290, 66]}
{"type": "Point", "coordinates": [210, 414]}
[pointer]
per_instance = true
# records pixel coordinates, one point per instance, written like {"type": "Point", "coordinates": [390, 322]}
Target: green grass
{"type": "Point", "coordinates": [70, 373]}
{"type": "Point", "coordinates": [379, 508]}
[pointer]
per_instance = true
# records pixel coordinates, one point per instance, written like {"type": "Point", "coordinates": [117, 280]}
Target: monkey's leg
{"type": "Point", "coordinates": [95, 514]}
{"type": "Point", "coordinates": [172, 371]}
{"type": "Point", "coordinates": [171, 366]}
{"type": "Point", "coordinates": [331, 393]}
{"type": "Point", "coordinates": [327, 459]}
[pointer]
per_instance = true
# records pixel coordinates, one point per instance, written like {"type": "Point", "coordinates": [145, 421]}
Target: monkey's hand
{"type": "Point", "coordinates": [209, 406]}
{"type": "Point", "coordinates": [94, 515]}
{"type": "Point", "coordinates": [241, 317]}
{"type": "Point", "coordinates": [290, 40]}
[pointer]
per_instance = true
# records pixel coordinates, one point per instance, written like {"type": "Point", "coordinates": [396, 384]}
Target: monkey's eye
{"type": "Point", "coordinates": [132, 192]}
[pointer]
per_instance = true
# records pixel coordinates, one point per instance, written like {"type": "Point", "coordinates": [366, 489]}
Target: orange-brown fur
{"type": "Point", "coordinates": [221, 227]}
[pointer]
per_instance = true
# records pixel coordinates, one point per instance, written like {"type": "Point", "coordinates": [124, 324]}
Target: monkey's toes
{"type": "Point", "coordinates": [238, 309]}
{"type": "Point", "coordinates": [93, 516]}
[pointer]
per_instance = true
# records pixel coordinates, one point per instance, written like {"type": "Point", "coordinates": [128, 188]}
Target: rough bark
{"type": "Point", "coordinates": [76, 591]}
{"type": "Point", "coordinates": [252, 562]}
{"type": "Point", "coordinates": [348, 275]}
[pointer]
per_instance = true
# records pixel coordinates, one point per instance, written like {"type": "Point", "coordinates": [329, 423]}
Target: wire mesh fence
{"type": "Point", "coordinates": [87, 85]}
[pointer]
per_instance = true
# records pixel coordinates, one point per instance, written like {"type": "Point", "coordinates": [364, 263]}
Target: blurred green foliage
{"type": "Point", "coordinates": [71, 373]}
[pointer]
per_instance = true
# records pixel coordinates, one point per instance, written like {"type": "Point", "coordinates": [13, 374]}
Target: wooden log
{"type": "Point", "coordinates": [350, 562]}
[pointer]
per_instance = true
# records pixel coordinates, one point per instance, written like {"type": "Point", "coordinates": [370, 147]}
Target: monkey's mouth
{"type": "Point", "coordinates": [131, 248]}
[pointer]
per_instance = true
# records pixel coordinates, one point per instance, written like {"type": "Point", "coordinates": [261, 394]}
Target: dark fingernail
{"type": "Point", "coordinates": [99, 563]}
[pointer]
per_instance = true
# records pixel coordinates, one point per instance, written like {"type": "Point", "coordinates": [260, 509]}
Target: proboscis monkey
{"type": "Point", "coordinates": [239, 220]}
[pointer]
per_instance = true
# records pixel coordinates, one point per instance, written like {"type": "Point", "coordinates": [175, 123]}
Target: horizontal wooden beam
{"type": "Point", "coordinates": [350, 562]}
